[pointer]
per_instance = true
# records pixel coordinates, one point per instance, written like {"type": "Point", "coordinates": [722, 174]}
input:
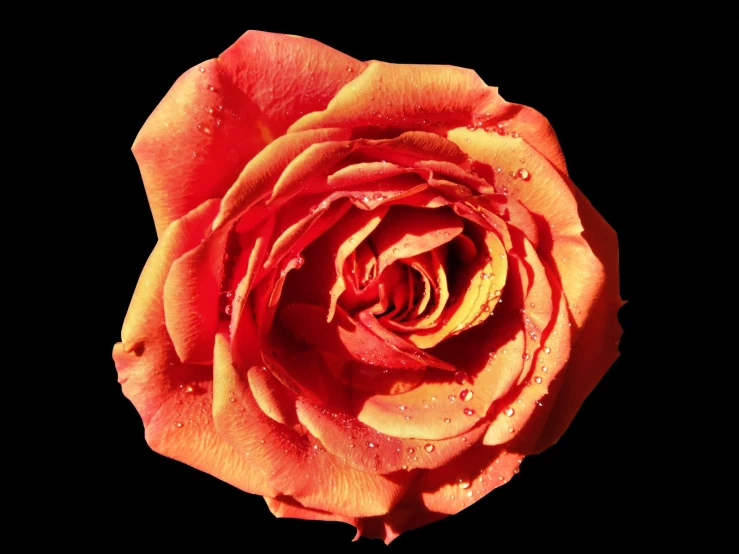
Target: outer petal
{"type": "Point", "coordinates": [408, 97]}
{"type": "Point", "coordinates": [218, 115]}
{"type": "Point", "coordinates": [289, 508]}
{"type": "Point", "coordinates": [596, 348]}
{"type": "Point", "coordinates": [174, 399]}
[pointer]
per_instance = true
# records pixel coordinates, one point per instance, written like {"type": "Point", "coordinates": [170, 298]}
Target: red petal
{"type": "Point", "coordinates": [285, 76]}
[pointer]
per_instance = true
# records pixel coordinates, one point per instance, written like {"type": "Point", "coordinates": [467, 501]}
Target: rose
{"type": "Point", "coordinates": [375, 288]}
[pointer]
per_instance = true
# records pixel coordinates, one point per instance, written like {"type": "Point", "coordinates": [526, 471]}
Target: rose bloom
{"type": "Point", "coordinates": [375, 288]}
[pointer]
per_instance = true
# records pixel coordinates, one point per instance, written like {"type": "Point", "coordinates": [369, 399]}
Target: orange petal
{"type": "Point", "coordinates": [596, 346]}
{"type": "Point", "coordinates": [548, 363]}
{"type": "Point", "coordinates": [173, 399]}
{"type": "Point", "coordinates": [191, 299]}
{"type": "Point", "coordinates": [406, 232]}
{"type": "Point", "coordinates": [287, 507]}
{"type": "Point", "coordinates": [259, 176]}
{"type": "Point", "coordinates": [363, 448]}
{"type": "Point", "coordinates": [295, 464]}
{"type": "Point", "coordinates": [423, 411]}
{"type": "Point", "coordinates": [478, 287]}
{"type": "Point", "coordinates": [441, 97]}
{"type": "Point", "coordinates": [452, 488]}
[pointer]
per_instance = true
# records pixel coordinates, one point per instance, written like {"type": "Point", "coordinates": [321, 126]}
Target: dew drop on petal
{"type": "Point", "coordinates": [465, 395]}
{"type": "Point", "coordinates": [537, 380]}
{"type": "Point", "coordinates": [178, 424]}
{"type": "Point", "coordinates": [509, 412]}
{"type": "Point", "coordinates": [468, 411]}
{"type": "Point", "coordinates": [523, 174]}
{"type": "Point", "coordinates": [429, 448]}
{"type": "Point", "coordinates": [461, 377]}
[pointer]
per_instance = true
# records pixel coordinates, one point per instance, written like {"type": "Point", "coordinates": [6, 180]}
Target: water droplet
{"type": "Point", "coordinates": [186, 388]}
{"type": "Point", "coordinates": [463, 481]}
{"type": "Point", "coordinates": [523, 174]}
{"type": "Point", "coordinates": [545, 369]}
{"type": "Point", "coordinates": [204, 129]}
{"type": "Point", "coordinates": [468, 411]}
{"type": "Point", "coordinates": [371, 444]}
{"type": "Point", "coordinates": [547, 350]}
{"type": "Point", "coordinates": [514, 134]}
{"type": "Point", "coordinates": [526, 356]}
{"type": "Point", "coordinates": [537, 380]}
{"type": "Point", "coordinates": [509, 412]}
{"type": "Point", "coordinates": [201, 69]}
{"type": "Point", "coordinates": [395, 250]}
{"type": "Point", "coordinates": [349, 69]}
{"type": "Point", "coordinates": [465, 395]}
{"type": "Point", "coordinates": [404, 466]}
{"type": "Point", "coordinates": [402, 408]}
{"type": "Point", "coordinates": [510, 429]}
{"type": "Point", "coordinates": [461, 377]}
{"type": "Point", "coordinates": [351, 240]}
{"type": "Point", "coordinates": [178, 424]}
{"type": "Point", "coordinates": [410, 450]}
{"type": "Point", "coordinates": [228, 309]}
{"type": "Point", "coordinates": [447, 420]}
{"type": "Point", "coordinates": [211, 88]}
{"type": "Point", "coordinates": [469, 493]}
{"type": "Point", "coordinates": [429, 448]}
{"type": "Point", "coordinates": [451, 398]}
{"type": "Point", "coordinates": [499, 170]}
{"type": "Point", "coordinates": [365, 199]}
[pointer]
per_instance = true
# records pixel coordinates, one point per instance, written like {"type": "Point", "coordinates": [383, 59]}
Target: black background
{"type": "Point", "coordinates": [594, 488]}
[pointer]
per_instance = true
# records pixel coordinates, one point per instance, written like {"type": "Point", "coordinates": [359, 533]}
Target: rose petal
{"type": "Point", "coordinates": [548, 363]}
{"type": "Point", "coordinates": [191, 299]}
{"type": "Point", "coordinates": [287, 507]}
{"type": "Point", "coordinates": [596, 348]}
{"type": "Point", "coordinates": [474, 474]}
{"type": "Point", "coordinates": [286, 76]}
{"type": "Point", "coordinates": [407, 231]}
{"type": "Point", "coordinates": [440, 97]}
{"type": "Point", "coordinates": [295, 464]}
{"type": "Point", "coordinates": [477, 288]}
{"type": "Point", "coordinates": [353, 339]}
{"type": "Point", "coordinates": [429, 405]}
{"type": "Point", "coordinates": [366, 449]}
{"type": "Point", "coordinates": [219, 115]}
{"type": "Point", "coordinates": [173, 399]}
{"type": "Point", "coordinates": [259, 176]}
